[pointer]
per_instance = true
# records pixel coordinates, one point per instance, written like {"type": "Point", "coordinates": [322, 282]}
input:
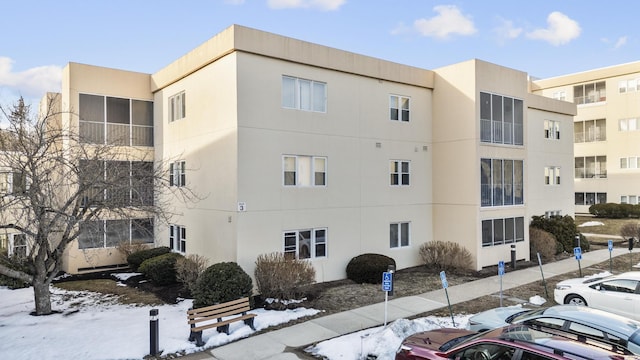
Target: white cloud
{"type": "Point", "coordinates": [449, 21]}
{"type": "Point", "coordinates": [34, 82]}
{"type": "Point", "coordinates": [560, 30]}
{"type": "Point", "coordinates": [507, 30]}
{"type": "Point", "coordinates": [313, 4]}
{"type": "Point", "coordinates": [620, 42]}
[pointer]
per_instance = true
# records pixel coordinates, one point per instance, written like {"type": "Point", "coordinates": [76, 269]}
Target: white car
{"type": "Point", "coordinates": [619, 294]}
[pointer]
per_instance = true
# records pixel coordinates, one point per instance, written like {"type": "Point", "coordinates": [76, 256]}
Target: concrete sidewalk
{"type": "Point", "coordinates": [274, 345]}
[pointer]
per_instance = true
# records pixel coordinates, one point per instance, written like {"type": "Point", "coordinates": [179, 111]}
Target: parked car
{"type": "Point", "coordinates": [619, 294]}
{"type": "Point", "coordinates": [512, 342]}
{"type": "Point", "coordinates": [579, 320]}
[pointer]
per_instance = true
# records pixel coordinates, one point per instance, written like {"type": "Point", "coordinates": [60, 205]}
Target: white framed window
{"type": "Point", "coordinates": [14, 245]}
{"type": "Point", "coordinates": [630, 85]}
{"type": "Point", "coordinates": [97, 234]}
{"type": "Point", "coordinates": [548, 214]}
{"type": "Point", "coordinates": [177, 106]}
{"type": "Point", "coordinates": [628, 124]}
{"type": "Point", "coordinates": [587, 167]}
{"type": "Point", "coordinates": [552, 175]}
{"type": "Point", "coordinates": [560, 95]}
{"type": "Point", "coordinates": [631, 162]}
{"type": "Point", "coordinates": [178, 238]}
{"type": "Point", "coordinates": [399, 234]}
{"type": "Point", "coordinates": [177, 173]}
{"type": "Point", "coordinates": [13, 183]}
{"type": "Point", "coordinates": [304, 94]}
{"type": "Point", "coordinates": [501, 119]}
{"type": "Point", "coordinates": [590, 198]}
{"type": "Point", "coordinates": [501, 182]}
{"type": "Point", "coordinates": [304, 171]}
{"type": "Point", "coordinates": [305, 244]}
{"type": "Point", "coordinates": [399, 171]}
{"type": "Point", "coordinates": [399, 108]}
{"type": "Point", "coordinates": [590, 93]}
{"type": "Point", "coordinates": [552, 129]}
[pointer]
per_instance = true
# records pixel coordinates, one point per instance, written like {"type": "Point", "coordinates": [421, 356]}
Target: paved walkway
{"type": "Point", "coordinates": [273, 345]}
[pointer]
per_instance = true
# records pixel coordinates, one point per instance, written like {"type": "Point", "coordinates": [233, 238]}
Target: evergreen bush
{"type": "Point", "coordinates": [135, 259]}
{"type": "Point", "coordinates": [368, 268]}
{"type": "Point", "coordinates": [161, 270]}
{"type": "Point", "coordinates": [220, 283]}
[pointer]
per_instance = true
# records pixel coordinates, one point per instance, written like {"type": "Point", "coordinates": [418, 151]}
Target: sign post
{"type": "Point", "coordinates": [387, 285]}
{"type": "Point", "coordinates": [445, 285]}
{"type": "Point", "coordinates": [546, 293]}
{"type": "Point", "coordinates": [500, 273]}
{"type": "Point", "coordinates": [577, 251]}
{"type": "Point", "coordinates": [610, 246]}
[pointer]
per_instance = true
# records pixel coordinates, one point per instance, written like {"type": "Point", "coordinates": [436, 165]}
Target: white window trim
{"type": "Point", "coordinates": [311, 246]}
{"type": "Point", "coordinates": [399, 173]}
{"type": "Point", "coordinates": [399, 238]}
{"type": "Point", "coordinates": [177, 238]}
{"type": "Point", "coordinates": [177, 173]}
{"type": "Point", "coordinates": [399, 100]}
{"type": "Point", "coordinates": [552, 175]}
{"type": "Point", "coordinates": [313, 107]}
{"type": "Point", "coordinates": [311, 172]}
{"type": "Point", "coordinates": [177, 106]}
{"type": "Point", "coordinates": [552, 129]}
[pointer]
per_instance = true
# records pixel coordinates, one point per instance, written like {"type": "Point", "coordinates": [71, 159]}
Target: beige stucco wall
{"type": "Point", "coordinates": [88, 79]}
{"type": "Point", "coordinates": [618, 182]}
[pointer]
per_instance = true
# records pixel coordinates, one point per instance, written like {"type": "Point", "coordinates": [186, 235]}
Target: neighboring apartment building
{"type": "Point", "coordinates": [325, 154]}
{"type": "Point", "coordinates": [606, 132]}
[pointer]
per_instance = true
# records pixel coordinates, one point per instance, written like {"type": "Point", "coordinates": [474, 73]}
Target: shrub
{"type": "Point", "coordinates": [445, 255]}
{"type": "Point", "coordinates": [563, 228]}
{"type": "Point", "coordinates": [161, 270]}
{"type": "Point", "coordinates": [127, 249]}
{"type": "Point", "coordinates": [14, 264]}
{"type": "Point", "coordinates": [281, 277]}
{"type": "Point", "coordinates": [189, 268]}
{"type": "Point", "coordinates": [612, 211]}
{"type": "Point", "coordinates": [630, 230]}
{"type": "Point", "coordinates": [368, 268]}
{"type": "Point", "coordinates": [220, 283]}
{"type": "Point", "coordinates": [135, 259]}
{"type": "Point", "coordinates": [543, 243]}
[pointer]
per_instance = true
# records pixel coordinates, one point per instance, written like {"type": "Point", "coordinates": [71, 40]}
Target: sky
{"type": "Point", "coordinates": [544, 38]}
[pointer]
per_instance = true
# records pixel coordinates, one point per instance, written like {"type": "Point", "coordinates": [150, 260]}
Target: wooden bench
{"type": "Point", "coordinates": [211, 317]}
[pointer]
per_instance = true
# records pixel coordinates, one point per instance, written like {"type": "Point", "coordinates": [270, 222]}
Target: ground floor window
{"type": "Point", "coordinates": [399, 234]}
{"type": "Point", "coordinates": [178, 238]}
{"type": "Point", "coordinates": [111, 233]}
{"type": "Point", "coordinates": [502, 231]}
{"type": "Point", "coordinates": [629, 199]}
{"type": "Point", "coordinates": [305, 244]}
{"type": "Point", "coordinates": [590, 198]}
{"type": "Point", "coordinates": [13, 245]}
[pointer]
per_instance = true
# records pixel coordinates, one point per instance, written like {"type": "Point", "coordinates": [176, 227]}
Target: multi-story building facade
{"type": "Point", "coordinates": [605, 132]}
{"type": "Point", "coordinates": [325, 154]}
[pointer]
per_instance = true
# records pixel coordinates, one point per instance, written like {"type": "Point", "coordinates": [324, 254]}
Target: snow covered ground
{"type": "Point", "coordinates": [91, 326]}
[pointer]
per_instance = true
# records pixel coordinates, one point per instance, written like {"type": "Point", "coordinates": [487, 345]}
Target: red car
{"type": "Point", "coordinates": [512, 342]}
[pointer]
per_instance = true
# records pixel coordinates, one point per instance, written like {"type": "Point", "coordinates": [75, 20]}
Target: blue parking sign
{"type": "Point", "coordinates": [387, 280]}
{"type": "Point", "coordinates": [577, 251]}
{"type": "Point", "coordinates": [610, 245]}
{"type": "Point", "coordinates": [443, 278]}
{"type": "Point", "coordinates": [500, 267]}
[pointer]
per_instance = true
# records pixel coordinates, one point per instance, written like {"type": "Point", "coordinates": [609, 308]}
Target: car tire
{"type": "Point", "coordinates": [574, 299]}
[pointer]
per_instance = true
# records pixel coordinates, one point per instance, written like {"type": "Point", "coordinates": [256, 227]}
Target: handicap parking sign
{"type": "Point", "coordinates": [443, 278]}
{"type": "Point", "coordinates": [500, 267]}
{"type": "Point", "coordinates": [577, 251]}
{"type": "Point", "coordinates": [387, 280]}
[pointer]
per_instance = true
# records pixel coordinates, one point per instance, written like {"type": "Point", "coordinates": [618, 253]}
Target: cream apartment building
{"type": "Point", "coordinates": [325, 154]}
{"type": "Point", "coordinates": [605, 132]}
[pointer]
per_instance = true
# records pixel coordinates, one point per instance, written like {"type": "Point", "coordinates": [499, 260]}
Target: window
{"type": "Point", "coordinates": [590, 131]}
{"type": "Point", "coordinates": [628, 124]}
{"type": "Point", "coordinates": [590, 93]}
{"type": "Point", "coordinates": [116, 183]}
{"type": "Point", "coordinates": [116, 121]}
{"type": "Point", "coordinates": [560, 95]}
{"type": "Point", "coordinates": [631, 162]}
{"type": "Point", "coordinates": [305, 244]}
{"type": "Point", "coordinates": [399, 234]}
{"type": "Point", "coordinates": [304, 171]}
{"type": "Point", "coordinates": [177, 106]}
{"type": "Point", "coordinates": [502, 231]}
{"type": "Point", "coordinates": [178, 238]}
{"type": "Point", "coordinates": [97, 234]}
{"type": "Point", "coordinates": [590, 198]}
{"type": "Point", "coordinates": [630, 85]}
{"type": "Point", "coordinates": [13, 245]}
{"type": "Point", "coordinates": [551, 213]}
{"type": "Point", "coordinates": [399, 171]}
{"type": "Point", "coordinates": [501, 119]}
{"type": "Point", "coordinates": [302, 94]}
{"type": "Point", "coordinates": [589, 167]}
{"type": "Point", "coordinates": [629, 199]}
{"type": "Point", "coordinates": [552, 129]}
{"type": "Point", "coordinates": [177, 176]}
{"type": "Point", "coordinates": [13, 183]}
{"type": "Point", "coordinates": [501, 182]}
{"type": "Point", "coordinates": [398, 108]}
{"type": "Point", "coordinates": [552, 175]}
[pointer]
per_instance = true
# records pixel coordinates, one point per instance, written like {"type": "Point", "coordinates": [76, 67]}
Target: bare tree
{"type": "Point", "coordinates": [630, 230]}
{"type": "Point", "coordinates": [60, 185]}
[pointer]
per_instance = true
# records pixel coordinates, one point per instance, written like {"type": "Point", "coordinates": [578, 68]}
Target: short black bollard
{"type": "Point", "coordinates": [153, 332]}
{"type": "Point", "coordinates": [513, 257]}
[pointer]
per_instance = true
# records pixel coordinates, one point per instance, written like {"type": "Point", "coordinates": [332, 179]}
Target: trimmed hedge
{"type": "Point", "coordinates": [614, 211]}
{"type": "Point", "coordinates": [220, 283]}
{"type": "Point", "coordinates": [134, 260]}
{"type": "Point", "coordinates": [368, 268]}
{"type": "Point", "coordinates": [161, 270]}
{"type": "Point", "coordinates": [564, 229]}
